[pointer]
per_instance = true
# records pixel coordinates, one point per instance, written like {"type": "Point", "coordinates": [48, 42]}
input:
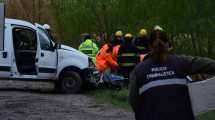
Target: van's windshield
{"type": "Point", "coordinates": [50, 37]}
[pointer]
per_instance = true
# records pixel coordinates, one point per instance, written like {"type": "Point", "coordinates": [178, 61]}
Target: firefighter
{"type": "Point", "coordinates": [141, 42]}
{"type": "Point", "coordinates": [89, 47]}
{"type": "Point", "coordinates": [116, 42]}
{"type": "Point", "coordinates": [127, 56]}
{"type": "Point", "coordinates": [159, 88]}
{"type": "Point", "coordinates": [118, 38]}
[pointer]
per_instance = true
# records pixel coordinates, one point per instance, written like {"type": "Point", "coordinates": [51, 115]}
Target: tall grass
{"type": "Point", "coordinates": [118, 98]}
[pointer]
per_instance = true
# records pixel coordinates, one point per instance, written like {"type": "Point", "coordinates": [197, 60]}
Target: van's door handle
{"type": "Point", "coordinates": [37, 60]}
{"type": "Point", "coordinates": [42, 54]}
{"type": "Point", "coordinates": [4, 54]}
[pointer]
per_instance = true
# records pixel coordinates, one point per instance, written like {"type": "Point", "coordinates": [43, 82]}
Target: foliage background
{"type": "Point", "coordinates": [190, 23]}
{"type": "Point", "coordinates": [35, 11]}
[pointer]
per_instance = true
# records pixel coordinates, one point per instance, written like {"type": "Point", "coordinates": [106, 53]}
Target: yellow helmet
{"type": "Point", "coordinates": [119, 33]}
{"type": "Point", "coordinates": [128, 35]}
{"type": "Point", "coordinates": [84, 34]}
{"type": "Point", "coordinates": [143, 32]}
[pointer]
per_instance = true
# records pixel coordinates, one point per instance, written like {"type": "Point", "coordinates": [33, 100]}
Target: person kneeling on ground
{"type": "Point", "coordinates": [105, 62]}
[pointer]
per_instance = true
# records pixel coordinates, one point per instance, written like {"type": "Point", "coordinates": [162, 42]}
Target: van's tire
{"type": "Point", "coordinates": [69, 82]}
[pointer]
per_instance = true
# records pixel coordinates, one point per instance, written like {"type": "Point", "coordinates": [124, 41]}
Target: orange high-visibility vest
{"type": "Point", "coordinates": [115, 52]}
{"type": "Point", "coordinates": [105, 60]}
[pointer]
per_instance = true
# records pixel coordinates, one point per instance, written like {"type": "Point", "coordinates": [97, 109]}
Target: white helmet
{"type": "Point", "coordinates": [47, 27]}
{"type": "Point", "coordinates": [157, 27]}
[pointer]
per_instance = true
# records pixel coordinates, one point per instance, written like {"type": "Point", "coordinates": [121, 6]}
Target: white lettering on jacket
{"type": "Point", "coordinates": [160, 72]}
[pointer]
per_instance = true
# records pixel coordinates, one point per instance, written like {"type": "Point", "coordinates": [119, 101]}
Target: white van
{"type": "Point", "coordinates": [29, 53]}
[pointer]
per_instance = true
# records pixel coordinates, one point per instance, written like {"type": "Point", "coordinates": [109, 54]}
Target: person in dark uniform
{"type": "Point", "coordinates": [117, 38]}
{"type": "Point", "coordinates": [159, 88]}
{"type": "Point", "coordinates": [141, 42]}
{"type": "Point", "coordinates": [127, 56]}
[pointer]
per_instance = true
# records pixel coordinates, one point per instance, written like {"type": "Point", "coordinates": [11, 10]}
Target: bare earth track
{"type": "Point", "coordinates": [36, 101]}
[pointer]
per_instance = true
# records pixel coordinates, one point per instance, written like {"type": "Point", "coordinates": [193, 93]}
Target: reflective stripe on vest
{"type": "Point", "coordinates": [140, 47]}
{"type": "Point", "coordinates": [128, 55]}
{"type": "Point", "coordinates": [127, 64]}
{"type": "Point", "coordinates": [158, 83]}
{"type": "Point", "coordinates": [87, 51]}
{"type": "Point", "coordinates": [127, 59]}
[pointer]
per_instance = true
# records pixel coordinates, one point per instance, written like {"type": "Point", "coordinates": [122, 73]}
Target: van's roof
{"type": "Point", "coordinates": [19, 22]}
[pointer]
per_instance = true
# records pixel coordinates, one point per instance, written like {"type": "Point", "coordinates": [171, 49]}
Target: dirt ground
{"type": "Point", "coordinates": [36, 101]}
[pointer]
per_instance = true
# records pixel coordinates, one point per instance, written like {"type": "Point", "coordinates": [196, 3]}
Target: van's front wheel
{"type": "Point", "coordinates": [70, 82]}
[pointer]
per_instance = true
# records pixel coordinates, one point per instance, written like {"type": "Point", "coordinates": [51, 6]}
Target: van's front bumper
{"type": "Point", "coordinates": [90, 76]}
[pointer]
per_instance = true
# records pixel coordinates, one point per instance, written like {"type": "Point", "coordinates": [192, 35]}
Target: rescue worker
{"type": "Point", "coordinates": [141, 42]}
{"type": "Point", "coordinates": [159, 88]}
{"type": "Point", "coordinates": [47, 27]}
{"type": "Point", "coordinates": [89, 47]}
{"type": "Point", "coordinates": [105, 62]}
{"type": "Point", "coordinates": [118, 38]}
{"type": "Point", "coordinates": [117, 41]}
{"type": "Point", "coordinates": [127, 56]}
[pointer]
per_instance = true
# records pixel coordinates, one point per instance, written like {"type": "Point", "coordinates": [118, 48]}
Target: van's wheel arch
{"type": "Point", "coordinates": [69, 81]}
